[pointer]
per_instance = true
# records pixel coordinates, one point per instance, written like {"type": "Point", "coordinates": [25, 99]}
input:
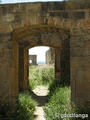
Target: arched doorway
{"type": "Point", "coordinates": [43, 35]}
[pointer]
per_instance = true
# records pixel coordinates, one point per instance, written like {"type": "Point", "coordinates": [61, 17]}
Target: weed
{"type": "Point", "coordinates": [59, 103]}
{"type": "Point", "coordinates": [23, 110]}
{"type": "Point", "coordinates": [41, 75]}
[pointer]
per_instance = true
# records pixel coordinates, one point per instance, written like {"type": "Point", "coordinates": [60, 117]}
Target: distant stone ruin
{"type": "Point", "coordinates": [32, 59]}
{"type": "Point", "coordinates": [50, 56]}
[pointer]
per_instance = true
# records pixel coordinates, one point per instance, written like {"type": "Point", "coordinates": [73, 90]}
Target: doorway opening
{"type": "Point", "coordinates": [41, 75]}
{"type": "Point", "coordinates": [41, 70]}
{"type": "Point", "coordinates": [60, 42]}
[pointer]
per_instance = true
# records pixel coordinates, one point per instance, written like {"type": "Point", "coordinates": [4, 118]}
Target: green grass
{"type": "Point", "coordinates": [59, 96]}
{"type": "Point", "coordinates": [59, 103]}
{"type": "Point", "coordinates": [23, 110]}
{"type": "Point", "coordinates": [40, 75]}
{"type": "Point", "coordinates": [25, 107]}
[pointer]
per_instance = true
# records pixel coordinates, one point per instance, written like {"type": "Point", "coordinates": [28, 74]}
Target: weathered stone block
{"type": "Point", "coordinates": [78, 15]}
{"type": "Point", "coordinates": [8, 18]}
{"type": "Point", "coordinates": [5, 28]}
{"type": "Point", "coordinates": [79, 52]}
{"type": "Point", "coordinates": [60, 14]}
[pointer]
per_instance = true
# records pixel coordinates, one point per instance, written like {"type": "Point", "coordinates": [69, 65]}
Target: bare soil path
{"type": "Point", "coordinates": [40, 94]}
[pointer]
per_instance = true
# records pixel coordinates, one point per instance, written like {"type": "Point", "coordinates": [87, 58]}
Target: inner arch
{"type": "Point", "coordinates": [40, 35]}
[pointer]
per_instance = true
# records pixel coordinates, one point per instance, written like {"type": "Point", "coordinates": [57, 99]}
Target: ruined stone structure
{"type": "Point", "coordinates": [32, 59]}
{"type": "Point", "coordinates": [50, 56]}
{"type": "Point", "coordinates": [64, 26]}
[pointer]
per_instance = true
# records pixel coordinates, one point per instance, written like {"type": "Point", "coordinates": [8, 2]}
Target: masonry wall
{"type": "Point", "coordinates": [80, 65]}
{"type": "Point", "coordinates": [18, 18]}
{"type": "Point", "coordinates": [5, 66]}
{"type": "Point", "coordinates": [50, 56]}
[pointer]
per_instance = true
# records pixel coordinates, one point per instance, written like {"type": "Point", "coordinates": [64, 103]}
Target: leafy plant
{"type": "Point", "coordinates": [25, 107]}
{"type": "Point", "coordinates": [23, 110]}
{"type": "Point", "coordinates": [41, 75]}
{"type": "Point", "coordinates": [59, 103]}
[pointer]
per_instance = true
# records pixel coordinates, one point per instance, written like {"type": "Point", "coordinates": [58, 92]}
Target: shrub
{"type": "Point", "coordinates": [59, 103]}
{"type": "Point", "coordinates": [23, 110]}
{"type": "Point", "coordinates": [47, 75]}
{"type": "Point", "coordinates": [25, 107]}
{"type": "Point", "coordinates": [81, 110]}
{"type": "Point", "coordinates": [41, 75]}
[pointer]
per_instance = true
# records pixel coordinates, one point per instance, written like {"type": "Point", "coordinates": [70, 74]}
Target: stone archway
{"type": "Point", "coordinates": [41, 35]}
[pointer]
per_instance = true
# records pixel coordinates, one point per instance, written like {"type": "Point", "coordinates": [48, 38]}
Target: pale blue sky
{"type": "Point", "coordinates": [19, 1]}
{"type": "Point", "coordinates": [40, 52]}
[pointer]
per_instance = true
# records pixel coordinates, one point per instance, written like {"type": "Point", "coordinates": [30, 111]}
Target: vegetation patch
{"type": "Point", "coordinates": [25, 107]}
{"type": "Point", "coordinates": [23, 110]}
{"type": "Point", "coordinates": [59, 103]}
{"type": "Point", "coordinates": [41, 75]}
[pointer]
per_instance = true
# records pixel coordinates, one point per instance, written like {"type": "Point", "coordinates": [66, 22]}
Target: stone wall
{"type": "Point", "coordinates": [64, 26]}
{"type": "Point", "coordinates": [50, 56]}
